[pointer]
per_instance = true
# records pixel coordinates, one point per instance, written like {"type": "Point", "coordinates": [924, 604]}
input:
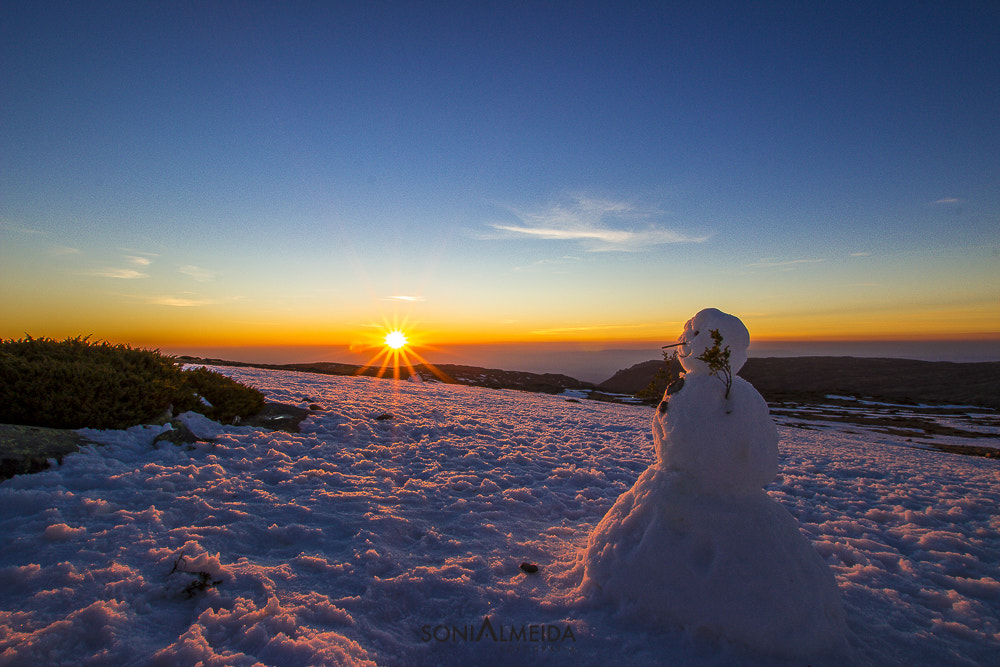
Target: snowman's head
{"type": "Point", "coordinates": [697, 338]}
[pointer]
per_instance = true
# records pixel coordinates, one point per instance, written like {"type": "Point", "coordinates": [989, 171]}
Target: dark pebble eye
{"type": "Point", "coordinates": [696, 333]}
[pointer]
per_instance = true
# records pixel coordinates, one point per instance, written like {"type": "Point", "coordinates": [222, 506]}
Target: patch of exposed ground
{"type": "Point", "coordinates": [28, 449]}
{"type": "Point", "coordinates": [938, 427]}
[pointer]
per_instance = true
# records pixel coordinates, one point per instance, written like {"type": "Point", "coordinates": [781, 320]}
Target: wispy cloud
{"type": "Point", "coordinates": [550, 265]}
{"type": "Point", "coordinates": [143, 253]}
{"type": "Point", "coordinates": [8, 226]}
{"type": "Point", "coordinates": [196, 272]}
{"type": "Point", "coordinates": [63, 251]}
{"type": "Point", "coordinates": [136, 258]}
{"type": "Point", "coordinates": [602, 327]}
{"type": "Point", "coordinates": [178, 301]}
{"type": "Point", "coordinates": [791, 264]}
{"type": "Point", "coordinates": [598, 224]}
{"type": "Point", "coordinates": [949, 201]}
{"type": "Point", "coordinates": [123, 274]}
{"type": "Point", "coordinates": [404, 298]}
{"type": "Point", "coordinates": [770, 263]}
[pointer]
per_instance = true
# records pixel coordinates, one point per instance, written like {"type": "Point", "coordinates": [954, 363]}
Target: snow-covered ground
{"type": "Point", "coordinates": [373, 540]}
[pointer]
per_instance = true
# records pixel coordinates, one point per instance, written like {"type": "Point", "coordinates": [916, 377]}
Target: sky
{"type": "Point", "coordinates": [188, 175]}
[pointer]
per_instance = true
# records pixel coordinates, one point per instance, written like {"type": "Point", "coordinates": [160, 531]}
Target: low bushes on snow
{"type": "Point", "coordinates": [227, 398]}
{"type": "Point", "coordinates": [76, 384]}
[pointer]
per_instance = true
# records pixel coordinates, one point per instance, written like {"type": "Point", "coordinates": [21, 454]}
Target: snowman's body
{"type": "Point", "coordinates": [696, 542]}
{"type": "Point", "coordinates": [729, 446]}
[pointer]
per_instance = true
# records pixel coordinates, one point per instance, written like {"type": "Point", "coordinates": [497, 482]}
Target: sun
{"type": "Point", "coordinates": [397, 352]}
{"type": "Point", "coordinates": [395, 339]}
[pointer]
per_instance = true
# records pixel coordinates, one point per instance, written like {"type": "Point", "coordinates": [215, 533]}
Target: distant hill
{"type": "Point", "coordinates": [892, 380]}
{"type": "Point", "coordinates": [493, 378]}
{"type": "Point", "coordinates": [549, 383]}
{"type": "Point", "coordinates": [636, 378]}
{"type": "Point", "coordinates": [802, 379]}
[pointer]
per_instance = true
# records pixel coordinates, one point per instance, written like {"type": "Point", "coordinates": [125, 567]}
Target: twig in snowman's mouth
{"type": "Point", "coordinates": [674, 345]}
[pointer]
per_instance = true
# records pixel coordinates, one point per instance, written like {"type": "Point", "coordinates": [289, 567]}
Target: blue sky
{"type": "Point", "coordinates": [258, 173]}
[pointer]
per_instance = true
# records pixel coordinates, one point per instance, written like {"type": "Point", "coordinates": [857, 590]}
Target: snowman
{"type": "Point", "coordinates": [712, 425]}
{"type": "Point", "coordinates": [697, 543]}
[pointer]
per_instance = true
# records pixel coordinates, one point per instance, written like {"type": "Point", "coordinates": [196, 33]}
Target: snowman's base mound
{"type": "Point", "coordinates": [733, 567]}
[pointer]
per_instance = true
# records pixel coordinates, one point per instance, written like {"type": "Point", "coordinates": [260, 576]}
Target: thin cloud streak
{"type": "Point", "coordinates": [601, 225]}
{"type": "Point", "coordinates": [64, 251]}
{"type": "Point", "coordinates": [8, 226]}
{"type": "Point", "coordinates": [603, 327]}
{"type": "Point", "coordinates": [550, 265]}
{"type": "Point", "coordinates": [404, 298]}
{"type": "Point", "coordinates": [775, 264]}
{"type": "Point", "coordinates": [196, 272]}
{"type": "Point", "coordinates": [122, 274]}
{"type": "Point", "coordinates": [178, 301]}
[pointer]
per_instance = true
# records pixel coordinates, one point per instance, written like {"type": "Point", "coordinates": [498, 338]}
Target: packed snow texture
{"type": "Point", "coordinates": [697, 542]}
{"type": "Point", "coordinates": [391, 541]}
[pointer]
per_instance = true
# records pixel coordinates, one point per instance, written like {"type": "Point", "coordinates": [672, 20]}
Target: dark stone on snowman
{"type": "Point", "coordinates": [697, 542]}
{"type": "Point", "coordinates": [672, 389]}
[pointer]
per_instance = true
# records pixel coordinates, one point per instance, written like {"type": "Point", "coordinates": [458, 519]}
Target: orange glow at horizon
{"type": "Point", "coordinates": [229, 327]}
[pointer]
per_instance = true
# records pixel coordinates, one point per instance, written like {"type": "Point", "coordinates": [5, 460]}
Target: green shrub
{"type": "Point", "coordinates": [75, 384]}
{"type": "Point", "coordinates": [228, 398]}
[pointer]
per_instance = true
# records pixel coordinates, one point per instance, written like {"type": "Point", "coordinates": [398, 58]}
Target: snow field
{"type": "Point", "coordinates": [363, 540]}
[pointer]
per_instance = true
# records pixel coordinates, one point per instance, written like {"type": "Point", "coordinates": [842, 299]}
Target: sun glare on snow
{"type": "Point", "coordinates": [395, 339]}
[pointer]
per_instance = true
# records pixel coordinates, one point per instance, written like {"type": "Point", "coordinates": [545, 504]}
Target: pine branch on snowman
{"type": "Point", "coordinates": [718, 362]}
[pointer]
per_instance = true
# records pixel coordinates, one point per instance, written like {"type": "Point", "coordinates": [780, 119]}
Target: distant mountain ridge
{"type": "Point", "coordinates": [493, 378]}
{"type": "Point", "coordinates": [802, 379]}
{"type": "Point", "coordinates": [890, 380]}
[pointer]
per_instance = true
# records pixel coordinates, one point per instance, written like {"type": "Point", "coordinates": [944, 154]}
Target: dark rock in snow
{"type": "Point", "coordinates": [278, 417]}
{"type": "Point", "coordinates": [530, 568]}
{"type": "Point", "coordinates": [179, 434]}
{"type": "Point", "coordinates": [27, 449]}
